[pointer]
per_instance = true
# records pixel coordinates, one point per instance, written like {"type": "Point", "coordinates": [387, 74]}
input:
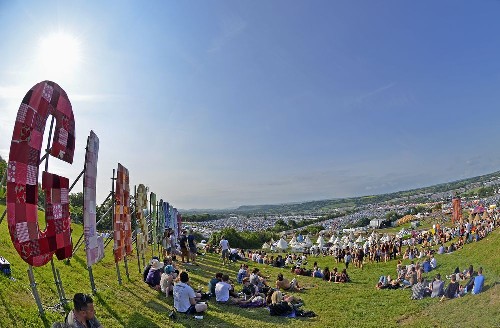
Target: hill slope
{"type": "Point", "coordinates": [356, 304]}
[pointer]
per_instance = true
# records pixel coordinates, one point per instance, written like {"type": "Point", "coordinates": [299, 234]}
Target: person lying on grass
{"type": "Point", "coordinates": [281, 305]}
{"type": "Point", "coordinates": [223, 291]}
{"type": "Point", "coordinates": [285, 284]}
{"type": "Point", "coordinates": [185, 297]}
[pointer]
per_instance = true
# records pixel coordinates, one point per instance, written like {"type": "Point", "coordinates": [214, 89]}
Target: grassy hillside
{"type": "Point", "coordinates": [356, 304]}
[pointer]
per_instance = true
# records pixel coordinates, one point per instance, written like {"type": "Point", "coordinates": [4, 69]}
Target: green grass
{"type": "Point", "coordinates": [355, 304]}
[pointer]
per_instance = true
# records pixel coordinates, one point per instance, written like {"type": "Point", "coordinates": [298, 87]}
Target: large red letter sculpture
{"type": "Point", "coordinates": [94, 245]}
{"type": "Point", "coordinates": [121, 221]}
{"type": "Point", "coordinates": [37, 247]}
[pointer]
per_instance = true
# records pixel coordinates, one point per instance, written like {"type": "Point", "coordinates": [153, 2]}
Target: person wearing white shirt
{"type": "Point", "coordinates": [184, 297]}
{"type": "Point", "coordinates": [224, 245]}
{"type": "Point", "coordinates": [222, 291]}
{"type": "Point", "coordinates": [433, 262]}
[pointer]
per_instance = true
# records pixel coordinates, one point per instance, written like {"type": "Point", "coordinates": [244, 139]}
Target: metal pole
{"type": "Point", "coordinates": [76, 180]}
{"type": "Point", "coordinates": [79, 243]}
{"type": "Point", "coordinates": [112, 220]}
{"type": "Point", "coordinates": [3, 215]}
{"type": "Point", "coordinates": [63, 301]}
{"type": "Point", "coordinates": [136, 226]}
{"type": "Point", "coordinates": [56, 280]}
{"type": "Point", "coordinates": [47, 150]}
{"type": "Point", "coordinates": [92, 283]}
{"type": "Point", "coordinates": [126, 266]}
{"type": "Point", "coordinates": [54, 273]}
{"type": "Point", "coordinates": [31, 277]}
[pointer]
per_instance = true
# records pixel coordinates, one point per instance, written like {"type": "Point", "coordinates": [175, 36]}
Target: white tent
{"type": "Point", "coordinates": [360, 239]}
{"type": "Point", "coordinates": [307, 242]}
{"type": "Point", "coordinates": [293, 242]}
{"type": "Point", "coordinates": [351, 236]}
{"type": "Point", "coordinates": [320, 241]}
{"type": "Point", "coordinates": [332, 239]}
{"type": "Point", "coordinates": [265, 246]}
{"type": "Point", "coordinates": [282, 244]}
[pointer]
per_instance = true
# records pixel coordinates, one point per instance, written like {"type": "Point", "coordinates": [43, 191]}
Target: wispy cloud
{"type": "Point", "coordinates": [375, 92]}
{"type": "Point", "coordinates": [230, 28]}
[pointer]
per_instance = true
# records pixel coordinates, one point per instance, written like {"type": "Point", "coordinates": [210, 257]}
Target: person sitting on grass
{"type": "Point", "coordinates": [257, 279]}
{"type": "Point", "coordinates": [168, 277]}
{"type": "Point", "coordinates": [213, 282]}
{"type": "Point", "coordinates": [242, 273]}
{"type": "Point", "coordinates": [285, 284]}
{"type": "Point", "coordinates": [250, 290]}
{"type": "Point", "coordinates": [418, 289]}
{"type": "Point", "coordinates": [335, 275]}
{"type": "Point", "coordinates": [478, 282]}
{"type": "Point", "coordinates": [83, 314]}
{"type": "Point", "coordinates": [223, 291]}
{"type": "Point", "coordinates": [437, 287]}
{"type": "Point", "coordinates": [154, 275]}
{"type": "Point", "coordinates": [451, 290]}
{"type": "Point", "coordinates": [185, 297]}
{"type": "Point", "coordinates": [344, 277]}
{"type": "Point", "coordinates": [327, 275]}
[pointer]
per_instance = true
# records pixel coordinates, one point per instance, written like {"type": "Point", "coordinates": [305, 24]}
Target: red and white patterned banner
{"type": "Point", "coordinates": [121, 221]}
{"type": "Point", "coordinates": [34, 246]}
{"type": "Point", "coordinates": [94, 244]}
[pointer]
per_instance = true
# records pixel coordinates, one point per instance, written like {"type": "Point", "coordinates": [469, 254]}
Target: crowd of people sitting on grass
{"type": "Point", "coordinates": [460, 283]}
{"type": "Point", "coordinates": [253, 289]}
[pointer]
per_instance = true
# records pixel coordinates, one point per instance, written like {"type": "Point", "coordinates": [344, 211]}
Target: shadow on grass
{"type": "Point", "coordinates": [110, 310]}
{"type": "Point", "coordinates": [137, 320]}
{"type": "Point", "coordinates": [6, 307]}
{"type": "Point", "coordinates": [157, 307]}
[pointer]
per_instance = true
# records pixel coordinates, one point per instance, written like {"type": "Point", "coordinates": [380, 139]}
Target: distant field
{"type": "Point", "coordinates": [356, 304]}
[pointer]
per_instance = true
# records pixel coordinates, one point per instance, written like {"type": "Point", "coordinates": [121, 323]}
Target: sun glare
{"type": "Point", "coordinates": [59, 54]}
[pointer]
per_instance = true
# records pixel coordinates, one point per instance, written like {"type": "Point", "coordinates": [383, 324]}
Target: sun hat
{"type": "Point", "coordinates": [155, 264]}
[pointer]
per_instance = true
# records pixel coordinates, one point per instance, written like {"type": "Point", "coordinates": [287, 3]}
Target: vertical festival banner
{"type": "Point", "coordinates": [168, 216]}
{"type": "Point", "coordinates": [34, 246]}
{"type": "Point", "coordinates": [153, 217]}
{"type": "Point", "coordinates": [121, 222]}
{"type": "Point", "coordinates": [457, 210]}
{"type": "Point", "coordinates": [94, 244]}
{"type": "Point", "coordinates": [161, 219]}
{"type": "Point", "coordinates": [174, 222]}
{"type": "Point", "coordinates": [179, 223]}
{"type": "Point", "coordinates": [142, 232]}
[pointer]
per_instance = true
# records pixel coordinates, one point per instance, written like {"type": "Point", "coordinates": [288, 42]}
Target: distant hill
{"type": "Point", "coordinates": [329, 205]}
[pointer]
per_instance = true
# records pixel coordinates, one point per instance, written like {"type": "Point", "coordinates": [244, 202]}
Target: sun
{"type": "Point", "coordinates": [59, 54]}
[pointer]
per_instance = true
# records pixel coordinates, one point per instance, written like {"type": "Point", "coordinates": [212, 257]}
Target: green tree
{"type": "Point", "coordinates": [3, 179]}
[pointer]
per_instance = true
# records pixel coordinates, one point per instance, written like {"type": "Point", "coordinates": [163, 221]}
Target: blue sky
{"type": "Point", "coordinates": [216, 104]}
